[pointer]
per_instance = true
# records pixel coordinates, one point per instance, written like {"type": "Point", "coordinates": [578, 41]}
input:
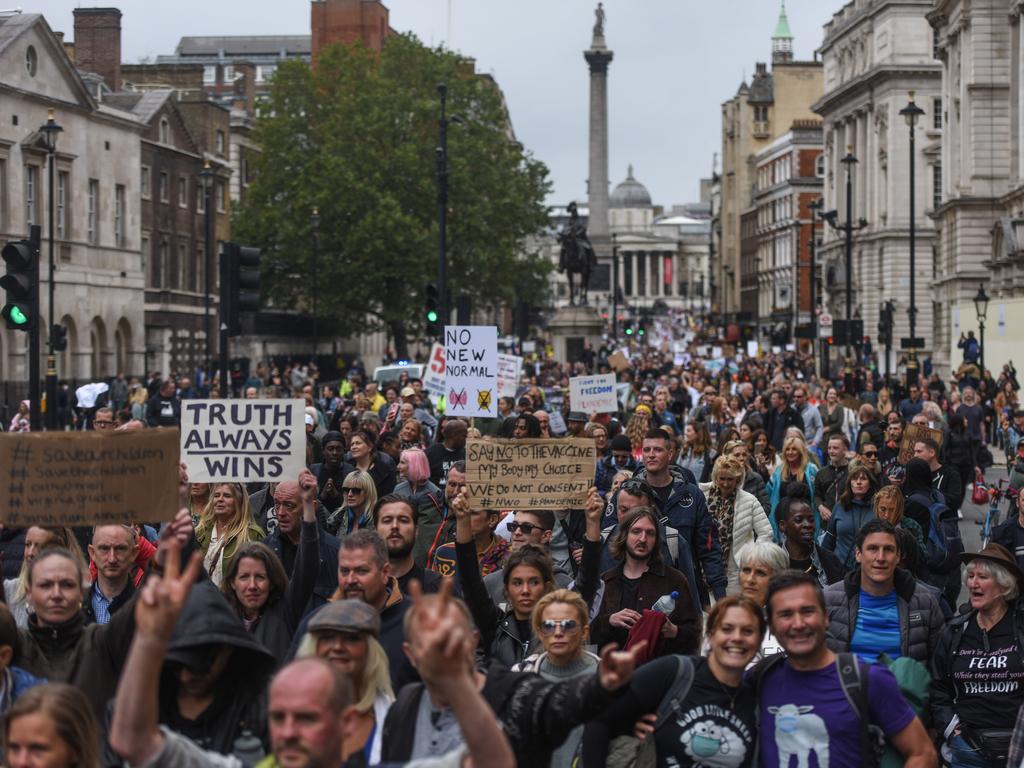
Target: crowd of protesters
{"type": "Point", "coordinates": [763, 573]}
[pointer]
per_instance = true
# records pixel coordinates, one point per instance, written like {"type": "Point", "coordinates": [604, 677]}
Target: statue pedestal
{"type": "Point", "coordinates": [571, 327]}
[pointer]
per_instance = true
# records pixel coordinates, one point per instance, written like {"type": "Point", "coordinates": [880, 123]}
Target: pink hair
{"type": "Point", "coordinates": [417, 467]}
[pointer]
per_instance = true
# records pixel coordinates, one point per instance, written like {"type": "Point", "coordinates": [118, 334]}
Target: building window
{"type": "Point", "coordinates": [264, 72]}
{"type": "Point", "coordinates": [92, 208]}
{"type": "Point", "coordinates": [31, 61]}
{"type": "Point", "coordinates": [31, 195]}
{"type": "Point", "coordinates": [220, 142]}
{"type": "Point", "coordinates": [3, 195]}
{"type": "Point", "coordinates": [183, 264]}
{"type": "Point", "coordinates": [201, 199]}
{"type": "Point", "coordinates": [182, 192]}
{"type": "Point", "coordinates": [62, 204]}
{"type": "Point", "coordinates": [209, 74]}
{"type": "Point", "coordinates": [147, 182]}
{"type": "Point", "coordinates": [158, 263]}
{"type": "Point", "coordinates": [936, 185]}
{"type": "Point", "coordinates": [221, 191]}
{"type": "Point", "coordinates": [229, 73]}
{"type": "Point", "coordinates": [165, 131]}
{"type": "Point", "coordinates": [937, 114]}
{"type": "Point", "coordinates": [144, 241]}
{"type": "Point", "coordinates": [936, 42]}
{"type": "Point", "coordinates": [119, 215]}
{"type": "Point", "coordinates": [165, 187]}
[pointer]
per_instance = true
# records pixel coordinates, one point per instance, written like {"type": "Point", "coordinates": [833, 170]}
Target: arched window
{"type": "Point", "coordinates": [819, 166]}
{"type": "Point", "coordinates": [165, 131]}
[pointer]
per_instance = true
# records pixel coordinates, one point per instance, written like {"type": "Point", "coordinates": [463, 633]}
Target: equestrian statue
{"type": "Point", "coordinates": [577, 256]}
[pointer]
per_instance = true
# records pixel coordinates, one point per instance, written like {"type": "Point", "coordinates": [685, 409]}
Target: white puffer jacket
{"type": "Point", "coordinates": [749, 523]}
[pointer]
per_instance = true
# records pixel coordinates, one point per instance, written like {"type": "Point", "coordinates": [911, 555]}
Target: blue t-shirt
{"type": "Point", "coordinates": [807, 721]}
{"type": "Point", "coordinates": [878, 627]}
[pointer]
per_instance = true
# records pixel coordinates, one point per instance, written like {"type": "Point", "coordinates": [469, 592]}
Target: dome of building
{"type": "Point", "coordinates": [630, 194]}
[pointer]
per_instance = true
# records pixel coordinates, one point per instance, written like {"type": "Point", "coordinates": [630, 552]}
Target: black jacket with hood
{"type": "Point", "coordinates": [240, 700]}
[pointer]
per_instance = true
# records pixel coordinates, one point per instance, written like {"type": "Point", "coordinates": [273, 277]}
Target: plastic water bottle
{"type": "Point", "coordinates": [666, 603]}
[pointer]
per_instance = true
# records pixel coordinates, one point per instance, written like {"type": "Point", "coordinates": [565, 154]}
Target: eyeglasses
{"type": "Point", "coordinates": [568, 626]}
{"type": "Point", "coordinates": [351, 489]}
{"type": "Point", "coordinates": [97, 423]}
{"type": "Point", "coordinates": [870, 454]}
{"type": "Point", "coordinates": [526, 528]}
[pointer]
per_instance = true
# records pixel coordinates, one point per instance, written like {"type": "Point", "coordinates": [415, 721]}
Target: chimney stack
{"type": "Point", "coordinates": [98, 43]}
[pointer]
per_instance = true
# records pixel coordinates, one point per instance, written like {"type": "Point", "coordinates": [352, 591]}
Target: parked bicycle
{"type": "Point", "coordinates": [996, 494]}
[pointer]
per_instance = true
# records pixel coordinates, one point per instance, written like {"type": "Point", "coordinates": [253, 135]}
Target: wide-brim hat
{"type": "Point", "coordinates": [1000, 555]}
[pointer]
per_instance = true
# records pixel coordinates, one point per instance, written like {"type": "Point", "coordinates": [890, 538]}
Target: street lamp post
{"type": "Point", "coordinates": [615, 287]}
{"type": "Point", "coordinates": [442, 206]}
{"type": "Point", "coordinates": [207, 176]}
{"type": "Point", "coordinates": [814, 206]}
{"type": "Point", "coordinates": [314, 222]}
{"type": "Point", "coordinates": [49, 132]}
{"type": "Point", "coordinates": [981, 308]}
{"type": "Point", "coordinates": [847, 228]}
{"type": "Point", "coordinates": [911, 113]}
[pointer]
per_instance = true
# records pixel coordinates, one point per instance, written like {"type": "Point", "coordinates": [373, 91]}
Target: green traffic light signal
{"type": "Point", "coordinates": [640, 332]}
{"type": "Point", "coordinates": [432, 316]}
{"type": "Point", "coordinates": [17, 316]}
{"type": "Point", "coordinates": [629, 331]}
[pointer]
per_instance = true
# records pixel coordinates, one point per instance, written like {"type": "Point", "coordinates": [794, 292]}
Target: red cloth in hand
{"type": "Point", "coordinates": [649, 629]}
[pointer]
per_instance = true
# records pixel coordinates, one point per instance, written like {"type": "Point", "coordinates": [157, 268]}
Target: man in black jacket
{"type": "Point", "coordinates": [164, 410]}
{"type": "Point", "coordinates": [396, 523]}
{"type": "Point", "coordinates": [780, 417]}
{"type": "Point", "coordinates": [946, 480]}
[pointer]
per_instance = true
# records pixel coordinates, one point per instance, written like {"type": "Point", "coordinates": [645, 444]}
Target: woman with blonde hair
{"type": "Point", "coordinates": [359, 497]}
{"type": "Point", "coordinates": [890, 505]}
{"type": "Point", "coordinates": [740, 517]}
{"type": "Point", "coordinates": [38, 539]}
{"type": "Point", "coordinates": [225, 526]}
{"type": "Point", "coordinates": [51, 725]}
{"type": "Point", "coordinates": [346, 634]}
{"type": "Point", "coordinates": [796, 467]}
{"type": "Point", "coordinates": [562, 622]}
{"type": "Point", "coordinates": [885, 404]}
{"type": "Point", "coordinates": [638, 426]}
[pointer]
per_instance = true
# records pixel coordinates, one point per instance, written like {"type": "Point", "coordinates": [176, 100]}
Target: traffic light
{"type": "Point", "coordinates": [432, 312]}
{"type": "Point", "coordinates": [629, 330]}
{"type": "Point", "coordinates": [21, 285]}
{"type": "Point", "coordinates": [59, 337]}
{"type": "Point", "coordinates": [239, 284]}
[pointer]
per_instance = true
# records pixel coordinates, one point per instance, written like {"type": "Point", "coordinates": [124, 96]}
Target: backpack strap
{"type": "Point", "coordinates": [854, 682]}
{"type": "Point", "coordinates": [673, 699]}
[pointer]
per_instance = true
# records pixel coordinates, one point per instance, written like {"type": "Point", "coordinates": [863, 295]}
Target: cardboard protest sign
{"type": "Point", "coordinates": [433, 373]}
{"type": "Point", "coordinates": [593, 394]}
{"type": "Point", "coordinates": [529, 474]}
{"type": "Point", "coordinates": [509, 367]}
{"type": "Point", "coordinates": [471, 370]}
{"type": "Point", "coordinates": [619, 362]}
{"type": "Point", "coordinates": [243, 441]}
{"type": "Point", "coordinates": [88, 478]}
{"type": "Point", "coordinates": [911, 434]}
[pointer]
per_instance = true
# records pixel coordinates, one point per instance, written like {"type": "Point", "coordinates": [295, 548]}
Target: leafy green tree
{"type": "Point", "coordinates": [356, 138]}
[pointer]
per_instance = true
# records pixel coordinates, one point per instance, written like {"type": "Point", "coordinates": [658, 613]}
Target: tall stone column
{"type": "Point", "coordinates": [598, 58]}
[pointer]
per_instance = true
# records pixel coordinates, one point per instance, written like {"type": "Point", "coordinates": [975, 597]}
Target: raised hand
{"type": "Point", "coordinates": [595, 505]}
{"type": "Point", "coordinates": [307, 487]}
{"type": "Point", "coordinates": [442, 644]}
{"type": "Point", "coordinates": [460, 505]}
{"type": "Point", "coordinates": [616, 667]}
{"type": "Point", "coordinates": [163, 597]}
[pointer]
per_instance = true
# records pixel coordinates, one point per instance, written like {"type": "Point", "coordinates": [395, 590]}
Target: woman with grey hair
{"type": "Point", "coordinates": [758, 562]}
{"type": "Point", "coordinates": [978, 665]}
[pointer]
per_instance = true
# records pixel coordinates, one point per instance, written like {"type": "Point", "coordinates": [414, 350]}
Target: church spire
{"type": "Point", "coordinates": [782, 40]}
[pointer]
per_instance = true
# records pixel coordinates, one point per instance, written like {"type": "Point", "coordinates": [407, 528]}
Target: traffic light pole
{"type": "Point", "coordinates": [34, 347]}
{"type": "Point", "coordinates": [51, 358]}
{"type": "Point", "coordinates": [442, 211]}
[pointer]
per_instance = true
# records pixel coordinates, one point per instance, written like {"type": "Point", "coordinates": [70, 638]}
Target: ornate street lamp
{"type": "Point", "coordinates": [981, 308]}
{"type": "Point", "coordinates": [912, 113]}
{"type": "Point", "coordinates": [49, 133]}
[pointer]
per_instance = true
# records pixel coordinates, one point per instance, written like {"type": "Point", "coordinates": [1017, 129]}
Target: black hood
{"type": "Point", "coordinates": [208, 619]}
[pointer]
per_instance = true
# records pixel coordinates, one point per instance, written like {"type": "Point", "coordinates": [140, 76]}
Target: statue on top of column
{"type": "Point", "coordinates": [599, 20]}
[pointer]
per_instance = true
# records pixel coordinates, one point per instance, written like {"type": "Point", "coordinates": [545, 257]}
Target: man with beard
{"type": "Point", "coordinates": [804, 704]}
{"type": "Point", "coordinates": [364, 573]}
{"type": "Point", "coordinates": [889, 454]}
{"type": "Point", "coordinates": [396, 523]}
{"type": "Point", "coordinates": [435, 525]}
{"type": "Point", "coordinates": [636, 584]}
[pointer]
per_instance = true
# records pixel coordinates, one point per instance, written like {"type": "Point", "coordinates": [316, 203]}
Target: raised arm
{"type": "Point", "coordinates": [485, 613]}
{"type": "Point", "coordinates": [589, 575]}
{"type": "Point", "coordinates": [135, 733]}
{"type": "Point", "coordinates": [307, 559]}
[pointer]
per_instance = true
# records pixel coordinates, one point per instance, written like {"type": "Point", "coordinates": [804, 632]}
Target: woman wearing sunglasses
{"type": "Point", "coordinates": [714, 720]}
{"type": "Point", "coordinates": [561, 622]}
{"type": "Point", "coordinates": [359, 496]}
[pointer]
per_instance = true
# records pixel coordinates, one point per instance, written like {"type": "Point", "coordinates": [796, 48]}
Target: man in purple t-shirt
{"type": "Point", "coordinates": [804, 710]}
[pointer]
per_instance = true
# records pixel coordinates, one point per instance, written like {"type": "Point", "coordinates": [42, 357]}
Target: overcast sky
{"type": "Point", "coordinates": [675, 62]}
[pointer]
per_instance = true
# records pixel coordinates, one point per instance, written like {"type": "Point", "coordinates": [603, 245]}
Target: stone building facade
{"type": "Point", "coordinates": [875, 53]}
{"type": "Point", "coordinates": [980, 217]}
{"type": "Point", "coordinates": [98, 280]}
{"type": "Point", "coordinates": [760, 112]}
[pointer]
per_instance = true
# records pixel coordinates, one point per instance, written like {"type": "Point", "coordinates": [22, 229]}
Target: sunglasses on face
{"type": "Point", "coordinates": [350, 489]}
{"type": "Point", "coordinates": [870, 454]}
{"type": "Point", "coordinates": [568, 626]}
{"type": "Point", "coordinates": [526, 528]}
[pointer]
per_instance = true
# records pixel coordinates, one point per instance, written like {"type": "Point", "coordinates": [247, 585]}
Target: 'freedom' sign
{"type": "Point", "coordinates": [593, 394]}
{"type": "Point", "coordinates": [243, 441]}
